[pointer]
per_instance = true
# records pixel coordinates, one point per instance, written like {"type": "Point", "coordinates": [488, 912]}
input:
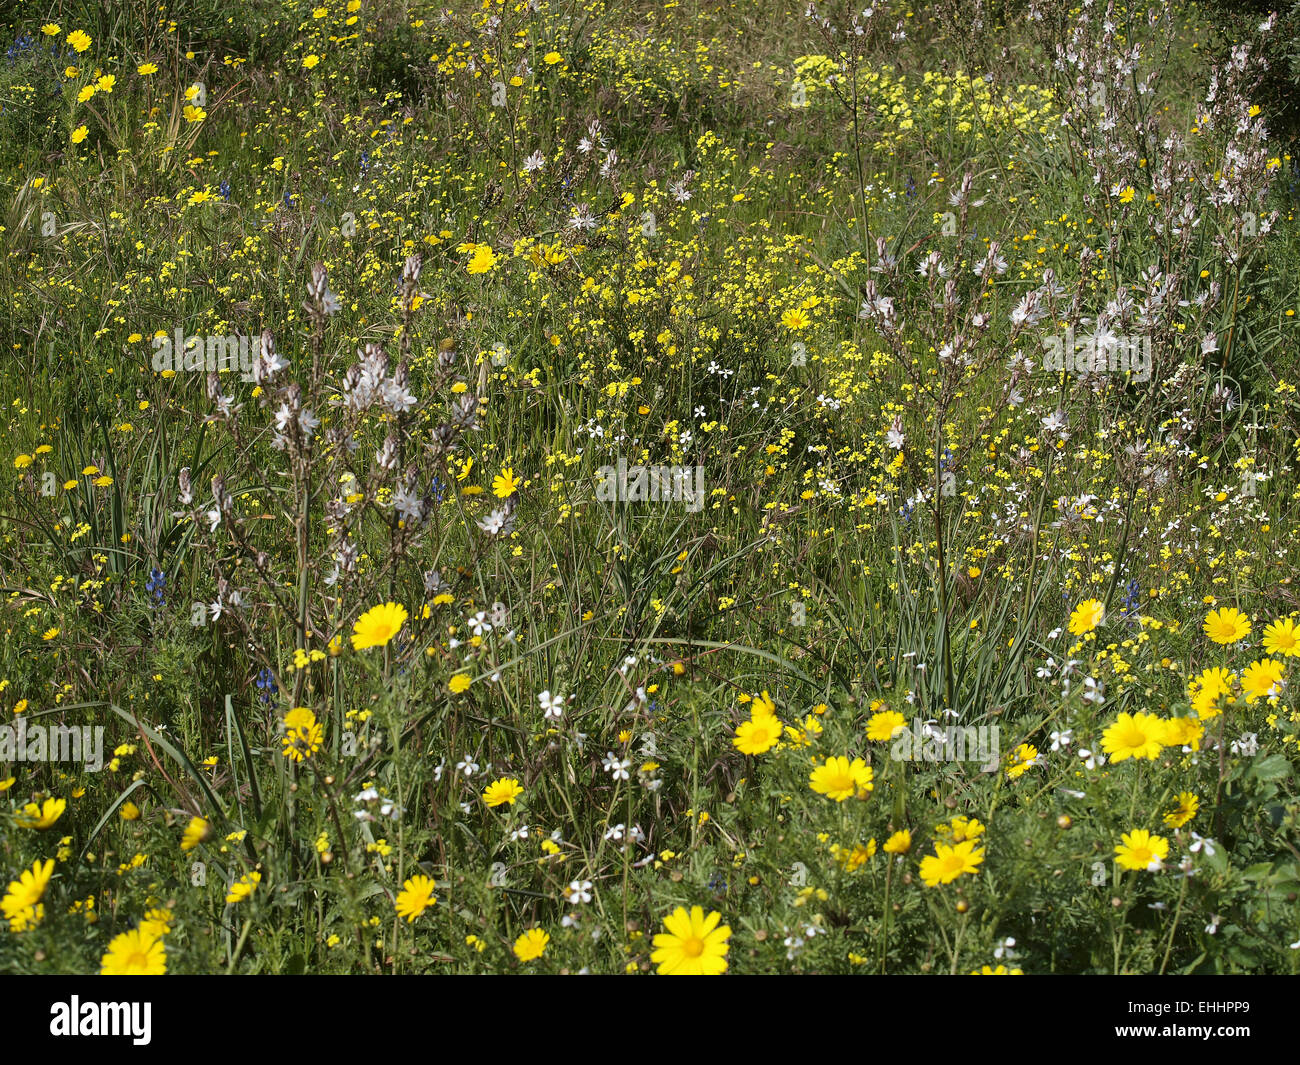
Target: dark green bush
{"type": "Point", "coordinates": [1236, 21]}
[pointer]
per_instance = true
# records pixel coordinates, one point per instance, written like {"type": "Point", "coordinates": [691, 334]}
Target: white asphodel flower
{"type": "Point", "coordinates": [552, 705]}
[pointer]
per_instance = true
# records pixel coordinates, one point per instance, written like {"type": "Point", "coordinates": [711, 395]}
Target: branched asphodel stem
{"type": "Point", "coordinates": [857, 153]}
{"type": "Point", "coordinates": [303, 523]}
{"type": "Point", "coordinates": [945, 649]}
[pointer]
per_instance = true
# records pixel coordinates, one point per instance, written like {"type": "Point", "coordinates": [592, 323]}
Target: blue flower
{"type": "Point", "coordinates": [156, 583]}
{"type": "Point", "coordinates": [266, 682]}
{"type": "Point", "coordinates": [1132, 596]}
{"type": "Point", "coordinates": [20, 45]}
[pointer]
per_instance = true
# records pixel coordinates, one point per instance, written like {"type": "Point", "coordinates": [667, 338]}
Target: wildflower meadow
{"type": "Point", "coordinates": [641, 487]}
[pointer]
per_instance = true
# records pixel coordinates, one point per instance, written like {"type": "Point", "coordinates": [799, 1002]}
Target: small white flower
{"type": "Point", "coordinates": [583, 221]}
{"type": "Point", "coordinates": [1055, 422]}
{"type": "Point", "coordinates": [615, 766]}
{"type": "Point", "coordinates": [578, 892]}
{"type": "Point", "coordinates": [1091, 760]}
{"type": "Point", "coordinates": [409, 507]}
{"type": "Point", "coordinates": [496, 522]}
{"type": "Point", "coordinates": [552, 705]}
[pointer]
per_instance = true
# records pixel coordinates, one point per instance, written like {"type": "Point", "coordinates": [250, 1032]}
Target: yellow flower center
{"type": "Point", "coordinates": [693, 947]}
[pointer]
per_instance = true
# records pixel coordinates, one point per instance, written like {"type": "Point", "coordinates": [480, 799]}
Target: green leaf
{"type": "Point", "coordinates": [108, 814]}
{"type": "Point", "coordinates": [1258, 871]}
{"type": "Point", "coordinates": [1274, 767]}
